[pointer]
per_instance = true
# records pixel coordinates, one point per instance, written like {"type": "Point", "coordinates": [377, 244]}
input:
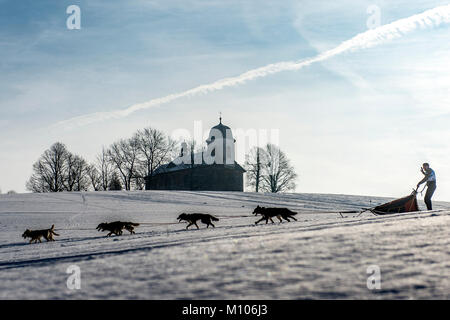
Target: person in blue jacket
{"type": "Point", "coordinates": [430, 179]}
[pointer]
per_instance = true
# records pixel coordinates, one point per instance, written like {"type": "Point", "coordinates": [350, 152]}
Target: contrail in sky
{"type": "Point", "coordinates": [430, 18]}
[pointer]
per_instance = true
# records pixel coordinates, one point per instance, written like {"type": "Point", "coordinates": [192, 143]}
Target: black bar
{"type": "Point", "coordinates": [211, 309]}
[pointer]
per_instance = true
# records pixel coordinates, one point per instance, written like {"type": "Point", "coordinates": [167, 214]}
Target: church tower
{"type": "Point", "coordinates": [217, 169]}
{"type": "Point", "coordinates": [221, 145]}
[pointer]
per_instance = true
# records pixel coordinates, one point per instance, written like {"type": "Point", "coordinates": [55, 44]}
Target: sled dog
{"type": "Point", "coordinates": [36, 235]}
{"type": "Point", "coordinates": [116, 227]}
{"type": "Point", "coordinates": [192, 218]}
{"type": "Point", "coordinates": [268, 213]}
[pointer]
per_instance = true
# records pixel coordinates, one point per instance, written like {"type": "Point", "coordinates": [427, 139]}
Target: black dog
{"type": "Point", "coordinates": [192, 218]}
{"type": "Point", "coordinates": [268, 213]}
{"type": "Point", "coordinates": [116, 227]}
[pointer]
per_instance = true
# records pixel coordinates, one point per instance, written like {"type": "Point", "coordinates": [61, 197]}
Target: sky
{"type": "Point", "coordinates": [361, 122]}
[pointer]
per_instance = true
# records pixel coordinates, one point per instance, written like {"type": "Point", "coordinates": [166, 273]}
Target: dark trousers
{"type": "Point", "coordinates": [431, 187]}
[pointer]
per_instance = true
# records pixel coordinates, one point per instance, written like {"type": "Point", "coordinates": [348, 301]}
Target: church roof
{"type": "Point", "coordinates": [222, 128]}
{"type": "Point", "coordinates": [171, 167]}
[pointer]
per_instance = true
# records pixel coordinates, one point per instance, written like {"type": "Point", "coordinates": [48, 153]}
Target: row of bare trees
{"type": "Point", "coordinates": [128, 162]}
{"type": "Point", "coordinates": [269, 170]}
{"type": "Point", "coordinates": [125, 164]}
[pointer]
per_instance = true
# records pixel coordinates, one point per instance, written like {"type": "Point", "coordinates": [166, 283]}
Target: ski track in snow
{"type": "Point", "coordinates": [321, 256]}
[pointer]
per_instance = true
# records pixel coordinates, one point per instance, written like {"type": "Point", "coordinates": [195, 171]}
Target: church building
{"type": "Point", "coordinates": [214, 169]}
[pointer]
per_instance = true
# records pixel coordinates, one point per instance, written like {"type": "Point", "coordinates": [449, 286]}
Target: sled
{"type": "Point", "coordinates": [402, 205]}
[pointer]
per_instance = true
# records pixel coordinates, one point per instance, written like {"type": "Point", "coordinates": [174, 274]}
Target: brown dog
{"type": "Point", "coordinates": [36, 235]}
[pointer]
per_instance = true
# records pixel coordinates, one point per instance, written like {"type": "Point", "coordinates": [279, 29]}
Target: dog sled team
{"type": "Point", "coordinates": [406, 204]}
{"type": "Point", "coordinates": [117, 227]}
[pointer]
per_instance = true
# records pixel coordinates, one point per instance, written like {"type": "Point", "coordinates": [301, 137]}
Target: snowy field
{"type": "Point", "coordinates": [321, 256]}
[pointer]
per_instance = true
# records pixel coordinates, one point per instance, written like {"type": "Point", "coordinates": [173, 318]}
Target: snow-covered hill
{"type": "Point", "coordinates": [322, 255]}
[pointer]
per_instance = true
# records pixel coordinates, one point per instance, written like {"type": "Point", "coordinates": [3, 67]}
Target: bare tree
{"type": "Point", "coordinates": [114, 182]}
{"type": "Point", "coordinates": [155, 148]}
{"type": "Point", "coordinates": [69, 172]}
{"type": "Point", "coordinates": [95, 178]}
{"type": "Point", "coordinates": [105, 169]}
{"type": "Point", "coordinates": [48, 171]}
{"type": "Point", "coordinates": [124, 155]}
{"type": "Point", "coordinates": [81, 171]}
{"type": "Point", "coordinates": [254, 167]}
{"type": "Point", "coordinates": [139, 178]}
{"type": "Point", "coordinates": [58, 170]}
{"type": "Point", "coordinates": [278, 174]}
{"type": "Point", "coordinates": [76, 173]}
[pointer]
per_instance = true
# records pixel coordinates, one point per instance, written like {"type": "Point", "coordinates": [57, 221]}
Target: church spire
{"type": "Point", "coordinates": [220, 117]}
